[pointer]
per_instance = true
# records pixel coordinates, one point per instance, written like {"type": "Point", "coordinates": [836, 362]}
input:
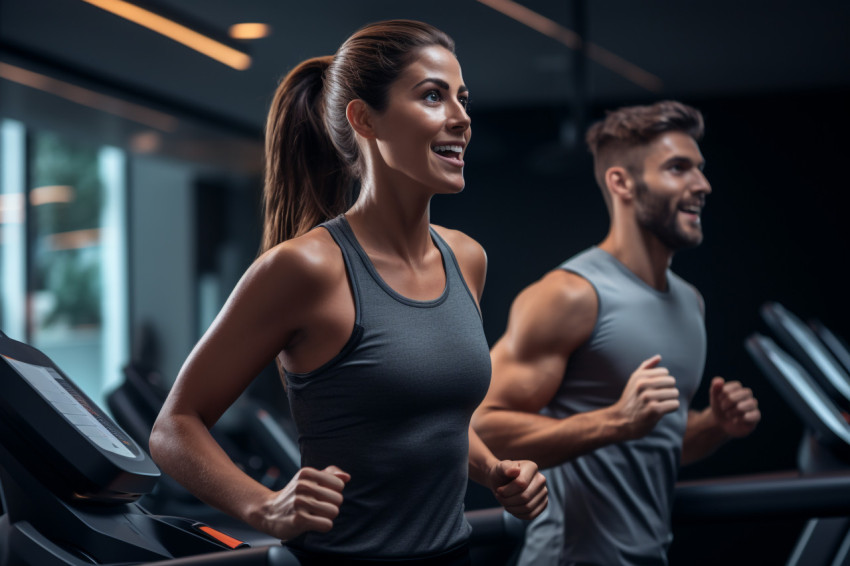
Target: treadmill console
{"type": "Point", "coordinates": [61, 436]}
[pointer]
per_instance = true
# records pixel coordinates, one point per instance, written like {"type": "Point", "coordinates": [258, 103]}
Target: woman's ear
{"type": "Point", "coordinates": [360, 117]}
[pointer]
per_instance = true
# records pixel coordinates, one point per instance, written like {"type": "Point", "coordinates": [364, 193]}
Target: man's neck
{"type": "Point", "coordinates": [642, 253]}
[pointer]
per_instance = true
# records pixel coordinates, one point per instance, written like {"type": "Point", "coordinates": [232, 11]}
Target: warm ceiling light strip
{"type": "Point", "coordinates": [623, 68]}
{"type": "Point", "coordinates": [249, 31]}
{"type": "Point", "coordinates": [51, 194]}
{"type": "Point", "coordinates": [179, 33]}
{"type": "Point", "coordinates": [572, 40]}
{"type": "Point", "coordinates": [74, 240]}
{"type": "Point", "coordinates": [90, 98]}
{"type": "Point", "coordinates": [536, 21]}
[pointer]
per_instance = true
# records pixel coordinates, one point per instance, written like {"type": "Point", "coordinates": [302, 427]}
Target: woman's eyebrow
{"type": "Point", "coordinates": [440, 83]}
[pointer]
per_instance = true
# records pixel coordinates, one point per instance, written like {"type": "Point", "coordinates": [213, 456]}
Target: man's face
{"type": "Point", "coordinates": [670, 194]}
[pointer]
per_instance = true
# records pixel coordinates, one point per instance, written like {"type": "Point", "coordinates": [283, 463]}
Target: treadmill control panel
{"type": "Point", "coordinates": [75, 407]}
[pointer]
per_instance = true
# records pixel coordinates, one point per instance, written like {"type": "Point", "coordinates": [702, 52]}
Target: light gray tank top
{"type": "Point", "coordinates": [612, 506]}
{"type": "Point", "coordinates": [393, 410]}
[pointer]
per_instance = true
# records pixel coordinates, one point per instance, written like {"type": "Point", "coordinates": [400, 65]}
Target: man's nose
{"type": "Point", "coordinates": [703, 185]}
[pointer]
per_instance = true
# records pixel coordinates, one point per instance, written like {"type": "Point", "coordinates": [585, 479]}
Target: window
{"type": "Point", "coordinates": [65, 247]}
{"type": "Point", "coordinates": [12, 229]}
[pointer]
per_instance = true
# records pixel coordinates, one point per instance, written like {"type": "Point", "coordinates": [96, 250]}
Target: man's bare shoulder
{"type": "Point", "coordinates": [559, 309]}
{"type": "Point", "coordinates": [563, 292]}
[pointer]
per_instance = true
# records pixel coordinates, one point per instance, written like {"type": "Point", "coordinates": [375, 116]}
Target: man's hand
{"type": "Point", "coordinates": [519, 487]}
{"type": "Point", "coordinates": [309, 502]}
{"type": "Point", "coordinates": [649, 394]}
{"type": "Point", "coordinates": [733, 407]}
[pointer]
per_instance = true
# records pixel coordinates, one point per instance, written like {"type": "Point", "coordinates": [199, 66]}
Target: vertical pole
{"type": "Point", "coordinates": [579, 70]}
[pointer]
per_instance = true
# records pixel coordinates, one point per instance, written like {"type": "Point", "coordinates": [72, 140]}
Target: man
{"type": "Point", "coordinates": [602, 356]}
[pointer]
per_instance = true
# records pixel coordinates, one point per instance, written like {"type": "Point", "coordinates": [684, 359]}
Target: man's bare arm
{"type": "Point", "coordinates": [732, 413]}
{"type": "Point", "coordinates": [548, 321]}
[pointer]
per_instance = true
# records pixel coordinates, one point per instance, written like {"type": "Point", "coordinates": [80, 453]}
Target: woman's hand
{"type": "Point", "coordinates": [309, 502]}
{"type": "Point", "coordinates": [519, 487]}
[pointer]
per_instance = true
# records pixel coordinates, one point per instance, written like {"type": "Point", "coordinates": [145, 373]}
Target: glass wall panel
{"type": "Point", "coordinates": [12, 229]}
{"type": "Point", "coordinates": [77, 305]}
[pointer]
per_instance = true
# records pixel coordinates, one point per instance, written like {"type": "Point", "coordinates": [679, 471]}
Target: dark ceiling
{"type": "Point", "coordinates": [696, 49]}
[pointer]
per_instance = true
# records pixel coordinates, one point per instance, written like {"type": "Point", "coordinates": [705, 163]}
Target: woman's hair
{"type": "Point", "coordinates": [312, 158]}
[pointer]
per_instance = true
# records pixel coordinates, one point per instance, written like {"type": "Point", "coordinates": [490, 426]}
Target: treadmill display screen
{"type": "Point", "coordinates": [75, 407]}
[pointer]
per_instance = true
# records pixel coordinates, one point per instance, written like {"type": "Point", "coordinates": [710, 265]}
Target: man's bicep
{"type": "Point", "coordinates": [530, 359]}
{"type": "Point", "coordinates": [548, 321]}
{"type": "Point", "coordinates": [523, 382]}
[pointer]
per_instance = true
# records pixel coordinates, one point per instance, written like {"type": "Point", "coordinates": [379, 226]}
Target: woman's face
{"type": "Point", "coordinates": [424, 131]}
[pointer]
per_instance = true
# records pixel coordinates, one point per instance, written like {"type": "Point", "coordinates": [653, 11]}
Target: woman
{"type": "Point", "coordinates": [372, 315]}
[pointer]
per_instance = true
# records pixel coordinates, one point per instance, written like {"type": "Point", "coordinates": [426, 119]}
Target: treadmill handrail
{"type": "Point", "coordinates": [269, 556]}
{"type": "Point", "coordinates": [805, 345]}
{"type": "Point", "coordinates": [776, 495]}
{"type": "Point", "coordinates": [816, 410]}
{"type": "Point", "coordinates": [833, 343]}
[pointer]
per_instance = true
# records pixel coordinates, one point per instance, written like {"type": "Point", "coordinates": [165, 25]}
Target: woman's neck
{"type": "Point", "coordinates": [390, 220]}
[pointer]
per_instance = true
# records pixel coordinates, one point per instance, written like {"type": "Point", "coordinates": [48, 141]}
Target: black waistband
{"type": "Point", "coordinates": [455, 556]}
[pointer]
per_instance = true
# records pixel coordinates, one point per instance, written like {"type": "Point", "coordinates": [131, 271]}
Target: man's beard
{"type": "Point", "coordinates": [654, 214]}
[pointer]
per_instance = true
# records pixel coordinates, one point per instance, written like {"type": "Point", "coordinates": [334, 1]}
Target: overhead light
{"type": "Point", "coordinates": [74, 240]}
{"type": "Point", "coordinates": [146, 142]}
{"type": "Point", "coordinates": [571, 39]}
{"type": "Point", "coordinates": [249, 31]}
{"type": "Point", "coordinates": [90, 98]}
{"type": "Point", "coordinates": [178, 32]}
{"type": "Point", "coordinates": [51, 194]}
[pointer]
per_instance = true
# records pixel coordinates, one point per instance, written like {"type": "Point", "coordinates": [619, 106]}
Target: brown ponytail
{"type": "Point", "coordinates": [306, 181]}
{"type": "Point", "coordinates": [312, 158]}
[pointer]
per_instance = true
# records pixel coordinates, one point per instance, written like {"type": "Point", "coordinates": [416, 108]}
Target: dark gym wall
{"type": "Point", "coordinates": [774, 230]}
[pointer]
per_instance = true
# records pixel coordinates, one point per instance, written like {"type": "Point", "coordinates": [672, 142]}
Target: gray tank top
{"type": "Point", "coordinates": [393, 410]}
{"type": "Point", "coordinates": [612, 506]}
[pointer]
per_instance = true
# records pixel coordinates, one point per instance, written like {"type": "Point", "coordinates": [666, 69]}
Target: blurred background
{"type": "Point", "coordinates": [131, 171]}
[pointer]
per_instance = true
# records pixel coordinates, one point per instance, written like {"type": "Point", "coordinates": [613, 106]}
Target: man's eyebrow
{"type": "Point", "coordinates": [440, 83]}
{"type": "Point", "coordinates": [682, 158]}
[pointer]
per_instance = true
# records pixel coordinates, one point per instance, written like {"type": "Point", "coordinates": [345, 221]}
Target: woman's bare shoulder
{"type": "Point", "coordinates": [307, 265]}
{"type": "Point", "coordinates": [465, 248]}
{"type": "Point", "coordinates": [470, 256]}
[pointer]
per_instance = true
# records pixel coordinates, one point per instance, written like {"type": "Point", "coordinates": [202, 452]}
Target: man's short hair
{"type": "Point", "coordinates": [633, 126]}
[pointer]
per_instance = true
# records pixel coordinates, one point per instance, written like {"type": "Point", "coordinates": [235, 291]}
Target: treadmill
{"type": "Point", "coordinates": [814, 353]}
{"type": "Point", "coordinates": [824, 456]}
{"type": "Point", "coordinates": [70, 479]}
